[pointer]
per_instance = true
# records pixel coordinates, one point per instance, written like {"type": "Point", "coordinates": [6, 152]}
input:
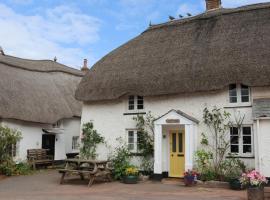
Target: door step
{"type": "Point", "coordinates": [173, 181]}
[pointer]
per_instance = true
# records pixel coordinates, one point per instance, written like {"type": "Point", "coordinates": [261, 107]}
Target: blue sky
{"type": "Point", "coordinates": [73, 30]}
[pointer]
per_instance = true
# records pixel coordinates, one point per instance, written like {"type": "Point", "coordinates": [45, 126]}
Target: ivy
{"type": "Point", "coordinates": [90, 139]}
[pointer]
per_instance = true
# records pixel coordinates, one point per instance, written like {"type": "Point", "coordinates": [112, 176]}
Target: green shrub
{"type": "Point", "coordinates": [10, 168]}
{"type": "Point", "coordinates": [120, 160]}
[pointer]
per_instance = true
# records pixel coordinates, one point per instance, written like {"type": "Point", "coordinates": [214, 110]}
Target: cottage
{"type": "Point", "coordinates": [176, 69]}
{"type": "Point", "coordinates": [37, 99]}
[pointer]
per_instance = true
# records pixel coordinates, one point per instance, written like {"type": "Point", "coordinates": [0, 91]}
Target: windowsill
{"type": "Point", "coordinates": [242, 156]}
{"type": "Point", "coordinates": [238, 105]}
{"type": "Point", "coordinates": [135, 112]}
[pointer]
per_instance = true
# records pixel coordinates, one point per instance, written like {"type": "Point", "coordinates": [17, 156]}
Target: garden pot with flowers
{"type": "Point", "coordinates": [190, 177]}
{"type": "Point", "coordinates": [254, 182]}
{"type": "Point", "coordinates": [131, 175]}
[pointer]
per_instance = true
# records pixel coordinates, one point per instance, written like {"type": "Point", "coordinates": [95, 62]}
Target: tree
{"type": "Point", "coordinates": [90, 139]}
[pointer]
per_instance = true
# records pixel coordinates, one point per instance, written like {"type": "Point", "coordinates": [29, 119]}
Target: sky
{"type": "Point", "coordinates": [73, 30]}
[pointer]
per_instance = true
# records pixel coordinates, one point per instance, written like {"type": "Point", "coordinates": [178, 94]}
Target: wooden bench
{"type": "Point", "coordinates": [38, 157]}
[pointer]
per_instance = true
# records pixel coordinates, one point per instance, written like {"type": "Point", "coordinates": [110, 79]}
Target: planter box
{"type": "Point", "coordinates": [130, 179]}
{"type": "Point", "coordinates": [214, 184]}
{"type": "Point", "coordinates": [256, 193]}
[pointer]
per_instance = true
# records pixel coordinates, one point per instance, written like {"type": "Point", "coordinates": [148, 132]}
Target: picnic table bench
{"type": "Point", "coordinates": [38, 156]}
{"type": "Point", "coordinates": [91, 168]}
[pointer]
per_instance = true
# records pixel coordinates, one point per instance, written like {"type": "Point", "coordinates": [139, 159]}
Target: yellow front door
{"type": "Point", "coordinates": [177, 153]}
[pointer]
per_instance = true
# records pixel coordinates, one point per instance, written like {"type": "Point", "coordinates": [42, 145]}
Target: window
{"type": "Point", "coordinates": [239, 93]}
{"type": "Point", "coordinates": [241, 140]}
{"type": "Point", "coordinates": [13, 150]}
{"type": "Point", "coordinates": [75, 143]}
{"type": "Point", "coordinates": [135, 102]}
{"type": "Point", "coordinates": [134, 141]}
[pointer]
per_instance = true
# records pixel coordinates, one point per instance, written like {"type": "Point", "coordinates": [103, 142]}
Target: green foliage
{"type": "Point", "coordinates": [147, 165]}
{"type": "Point", "coordinates": [120, 159]}
{"type": "Point", "coordinates": [145, 126]}
{"type": "Point", "coordinates": [9, 168]}
{"type": "Point", "coordinates": [8, 137]}
{"type": "Point", "coordinates": [211, 161]}
{"type": "Point", "coordinates": [218, 123]}
{"type": "Point", "coordinates": [91, 138]}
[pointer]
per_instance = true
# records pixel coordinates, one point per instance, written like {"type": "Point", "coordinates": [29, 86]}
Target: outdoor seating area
{"type": "Point", "coordinates": [39, 157]}
{"type": "Point", "coordinates": [89, 168]}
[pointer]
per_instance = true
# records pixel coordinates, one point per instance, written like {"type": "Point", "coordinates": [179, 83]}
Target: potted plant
{"type": "Point", "coordinates": [131, 175]}
{"type": "Point", "coordinates": [255, 183]}
{"type": "Point", "coordinates": [190, 177]}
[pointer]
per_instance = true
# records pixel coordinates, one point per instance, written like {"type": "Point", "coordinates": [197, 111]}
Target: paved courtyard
{"type": "Point", "coordinates": [45, 186]}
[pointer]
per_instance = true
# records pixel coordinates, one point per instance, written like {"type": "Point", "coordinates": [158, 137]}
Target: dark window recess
{"type": "Point", "coordinates": [233, 93]}
{"type": "Point", "coordinates": [234, 140]}
{"type": "Point", "coordinates": [131, 102]}
{"type": "Point", "coordinates": [139, 141]}
{"type": "Point", "coordinates": [139, 102]}
{"type": "Point", "coordinates": [174, 142]}
{"type": "Point", "coordinates": [244, 93]}
{"type": "Point", "coordinates": [234, 149]}
{"type": "Point", "coordinates": [180, 135]}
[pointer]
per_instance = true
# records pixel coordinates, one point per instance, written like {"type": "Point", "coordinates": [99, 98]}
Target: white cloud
{"type": "Point", "coordinates": [54, 32]}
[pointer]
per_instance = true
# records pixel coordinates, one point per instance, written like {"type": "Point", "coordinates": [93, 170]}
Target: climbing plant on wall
{"type": "Point", "coordinates": [90, 140]}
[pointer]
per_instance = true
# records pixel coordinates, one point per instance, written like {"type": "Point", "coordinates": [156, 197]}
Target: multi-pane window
{"type": "Point", "coordinates": [75, 143]}
{"type": "Point", "coordinates": [13, 150]}
{"type": "Point", "coordinates": [241, 140]}
{"type": "Point", "coordinates": [134, 140]}
{"type": "Point", "coordinates": [135, 103]}
{"type": "Point", "coordinates": [239, 93]}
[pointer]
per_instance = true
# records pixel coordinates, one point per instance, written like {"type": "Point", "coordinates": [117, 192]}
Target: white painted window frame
{"type": "Point", "coordinates": [239, 96]}
{"type": "Point", "coordinates": [74, 146]}
{"type": "Point", "coordinates": [135, 142]}
{"type": "Point", "coordinates": [135, 104]}
{"type": "Point", "coordinates": [241, 144]}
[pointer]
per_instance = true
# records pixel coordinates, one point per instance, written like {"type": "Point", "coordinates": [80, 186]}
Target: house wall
{"type": "Point", "coordinates": [110, 120]}
{"type": "Point", "coordinates": [32, 136]}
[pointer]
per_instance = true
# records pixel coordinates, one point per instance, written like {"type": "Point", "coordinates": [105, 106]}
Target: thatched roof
{"type": "Point", "coordinates": [37, 90]}
{"type": "Point", "coordinates": [201, 53]}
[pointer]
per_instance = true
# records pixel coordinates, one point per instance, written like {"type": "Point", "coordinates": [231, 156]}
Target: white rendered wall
{"type": "Point", "coordinates": [110, 121]}
{"type": "Point", "coordinates": [32, 136]}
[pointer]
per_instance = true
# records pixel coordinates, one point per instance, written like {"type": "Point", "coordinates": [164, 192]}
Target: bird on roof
{"type": "Point", "coordinates": [181, 16]}
{"type": "Point", "coordinates": [188, 14]}
{"type": "Point", "coordinates": [55, 59]}
{"type": "Point", "coordinates": [171, 18]}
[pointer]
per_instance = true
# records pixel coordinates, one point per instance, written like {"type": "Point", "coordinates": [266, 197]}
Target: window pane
{"type": "Point", "coordinates": [131, 140]}
{"type": "Point", "coordinates": [233, 93]}
{"type": "Point", "coordinates": [180, 135]}
{"type": "Point", "coordinates": [234, 139]}
{"type": "Point", "coordinates": [247, 149]}
{"type": "Point", "coordinates": [246, 130]}
{"type": "Point", "coordinates": [131, 146]}
{"type": "Point", "coordinates": [234, 149]}
{"type": "Point", "coordinates": [233, 131]}
{"type": "Point", "coordinates": [140, 102]}
{"type": "Point", "coordinates": [244, 93]}
{"type": "Point", "coordinates": [245, 98]}
{"type": "Point", "coordinates": [246, 139]}
{"type": "Point", "coordinates": [174, 142]}
{"type": "Point", "coordinates": [131, 102]}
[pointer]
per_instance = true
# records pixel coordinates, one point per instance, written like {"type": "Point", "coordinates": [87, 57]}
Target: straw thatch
{"type": "Point", "coordinates": [37, 91]}
{"type": "Point", "coordinates": [202, 53]}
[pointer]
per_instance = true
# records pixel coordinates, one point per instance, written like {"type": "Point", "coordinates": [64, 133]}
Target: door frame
{"type": "Point", "coordinates": [169, 150]}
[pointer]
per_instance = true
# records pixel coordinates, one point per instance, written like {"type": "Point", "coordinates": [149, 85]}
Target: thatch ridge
{"type": "Point", "coordinates": [43, 65]}
{"type": "Point", "coordinates": [35, 94]}
{"type": "Point", "coordinates": [203, 53]}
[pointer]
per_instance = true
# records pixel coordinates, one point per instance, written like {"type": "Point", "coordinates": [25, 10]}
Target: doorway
{"type": "Point", "coordinates": [177, 153]}
{"type": "Point", "coordinates": [48, 142]}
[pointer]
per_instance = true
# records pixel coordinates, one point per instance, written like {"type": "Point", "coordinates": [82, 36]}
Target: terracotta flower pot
{"type": "Point", "coordinates": [255, 193]}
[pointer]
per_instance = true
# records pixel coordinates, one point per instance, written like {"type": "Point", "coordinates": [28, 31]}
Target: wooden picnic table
{"type": "Point", "coordinates": [90, 168]}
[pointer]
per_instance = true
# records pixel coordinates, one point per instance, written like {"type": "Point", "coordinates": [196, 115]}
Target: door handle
{"type": "Point", "coordinates": [171, 155]}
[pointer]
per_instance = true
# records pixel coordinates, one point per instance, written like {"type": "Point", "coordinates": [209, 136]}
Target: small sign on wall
{"type": "Point", "coordinates": [173, 121]}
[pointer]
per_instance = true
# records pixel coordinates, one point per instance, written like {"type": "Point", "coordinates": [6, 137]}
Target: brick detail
{"type": "Point", "coordinates": [213, 4]}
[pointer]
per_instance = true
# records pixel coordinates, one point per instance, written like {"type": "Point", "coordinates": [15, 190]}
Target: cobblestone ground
{"type": "Point", "coordinates": [45, 186]}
